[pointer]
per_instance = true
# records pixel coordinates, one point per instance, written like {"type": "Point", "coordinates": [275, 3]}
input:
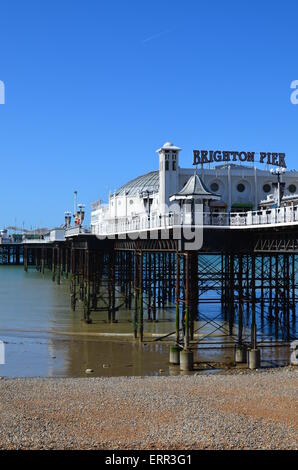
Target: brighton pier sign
{"type": "Point", "coordinates": [200, 157]}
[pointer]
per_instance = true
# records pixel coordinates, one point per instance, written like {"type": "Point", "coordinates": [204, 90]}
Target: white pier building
{"type": "Point", "coordinates": [231, 194]}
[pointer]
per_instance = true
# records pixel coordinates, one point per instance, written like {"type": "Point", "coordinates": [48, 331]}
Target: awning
{"type": "Point", "coordinates": [242, 205]}
{"type": "Point", "coordinates": [218, 204]}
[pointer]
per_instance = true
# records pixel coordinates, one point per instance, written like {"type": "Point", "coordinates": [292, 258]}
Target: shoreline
{"type": "Point", "coordinates": [237, 409]}
{"type": "Point", "coordinates": [200, 369]}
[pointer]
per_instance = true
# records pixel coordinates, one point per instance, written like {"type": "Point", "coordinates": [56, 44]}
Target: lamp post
{"type": "Point", "coordinates": [279, 185]}
{"type": "Point", "coordinates": [75, 204]}
{"type": "Point", "coordinates": [67, 217]}
{"type": "Point", "coordinates": [146, 195]}
{"type": "Point", "coordinates": [81, 213]}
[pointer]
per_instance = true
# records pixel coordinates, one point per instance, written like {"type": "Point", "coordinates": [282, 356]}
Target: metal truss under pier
{"type": "Point", "coordinates": [11, 254]}
{"type": "Point", "coordinates": [248, 278]}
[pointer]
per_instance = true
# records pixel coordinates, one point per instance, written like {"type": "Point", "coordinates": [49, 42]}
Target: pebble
{"type": "Point", "coordinates": [228, 410]}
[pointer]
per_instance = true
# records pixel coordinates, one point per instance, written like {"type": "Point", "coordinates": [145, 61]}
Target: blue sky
{"type": "Point", "coordinates": [94, 87]}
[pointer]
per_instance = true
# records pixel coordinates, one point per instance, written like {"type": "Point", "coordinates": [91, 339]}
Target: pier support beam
{"type": "Point", "coordinates": [25, 256]}
{"type": "Point", "coordinates": [136, 294]}
{"type": "Point", "coordinates": [177, 299]}
{"type": "Point", "coordinates": [58, 251]}
{"type": "Point", "coordinates": [241, 349]}
{"type": "Point", "coordinates": [186, 356]}
{"type": "Point", "coordinates": [141, 300]}
{"type": "Point", "coordinates": [86, 281]}
{"type": "Point", "coordinates": [73, 281]}
{"type": "Point", "coordinates": [254, 354]}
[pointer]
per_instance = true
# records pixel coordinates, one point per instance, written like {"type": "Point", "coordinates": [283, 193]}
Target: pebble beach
{"type": "Point", "coordinates": [227, 410]}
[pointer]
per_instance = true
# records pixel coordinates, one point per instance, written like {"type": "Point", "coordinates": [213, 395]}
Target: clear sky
{"type": "Point", "coordinates": [94, 87]}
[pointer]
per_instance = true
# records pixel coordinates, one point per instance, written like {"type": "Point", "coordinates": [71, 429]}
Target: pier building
{"type": "Point", "coordinates": [238, 187]}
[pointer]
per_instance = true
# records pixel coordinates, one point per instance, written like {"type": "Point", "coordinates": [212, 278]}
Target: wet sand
{"type": "Point", "coordinates": [44, 338]}
{"type": "Point", "coordinates": [229, 410]}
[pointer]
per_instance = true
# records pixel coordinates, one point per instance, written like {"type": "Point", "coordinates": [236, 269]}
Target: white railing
{"type": "Point", "coordinates": [35, 241]}
{"type": "Point", "coordinates": [71, 231]}
{"type": "Point", "coordinates": [9, 241]}
{"type": "Point", "coordinates": [284, 215]}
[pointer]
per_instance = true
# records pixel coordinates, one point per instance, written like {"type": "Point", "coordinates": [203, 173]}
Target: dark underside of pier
{"type": "Point", "coordinates": [251, 274]}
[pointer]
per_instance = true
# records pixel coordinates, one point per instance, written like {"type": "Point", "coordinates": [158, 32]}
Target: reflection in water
{"type": "Point", "coordinates": [44, 337]}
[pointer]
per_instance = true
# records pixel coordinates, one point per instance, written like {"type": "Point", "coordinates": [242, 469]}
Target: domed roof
{"type": "Point", "coordinates": [169, 146]}
{"type": "Point", "coordinates": [148, 182]}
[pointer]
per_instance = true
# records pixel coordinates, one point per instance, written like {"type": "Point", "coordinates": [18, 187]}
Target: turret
{"type": "Point", "coordinates": [168, 172]}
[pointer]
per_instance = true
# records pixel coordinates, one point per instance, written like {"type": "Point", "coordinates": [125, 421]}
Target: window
{"type": "Point", "coordinates": [174, 166]}
{"type": "Point", "coordinates": [267, 188]}
{"type": "Point", "coordinates": [292, 188]}
{"type": "Point", "coordinates": [241, 188]}
{"type": "Point", "coordinates": [214, 187]}
{"type": "Point", "coordinates": [167, 165]}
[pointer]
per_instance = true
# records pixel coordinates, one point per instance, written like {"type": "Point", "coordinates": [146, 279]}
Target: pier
{"type": "Point", "coordinates": [249, 270]}
{"type": "Point", "coordinates": [185, 242]}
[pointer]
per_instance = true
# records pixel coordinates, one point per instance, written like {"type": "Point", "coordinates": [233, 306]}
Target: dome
{"type": "Point", "coordinates": [167, 144]}
{"type": "Point", "coordinates": [148, 182]}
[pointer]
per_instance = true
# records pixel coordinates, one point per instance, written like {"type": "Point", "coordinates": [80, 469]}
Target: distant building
{"type": "Point", "coordinates": [231, 188]}
{"type": "Point", "coordinates": [4, 237]}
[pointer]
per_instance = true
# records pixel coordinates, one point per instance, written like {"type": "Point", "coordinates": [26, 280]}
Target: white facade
{"type": "Point", "coordinates": [240, 187]}
{"type": "Point", "coordinates": [56, 235]}
{"type": "Point", "coordinates": [4, 238]}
